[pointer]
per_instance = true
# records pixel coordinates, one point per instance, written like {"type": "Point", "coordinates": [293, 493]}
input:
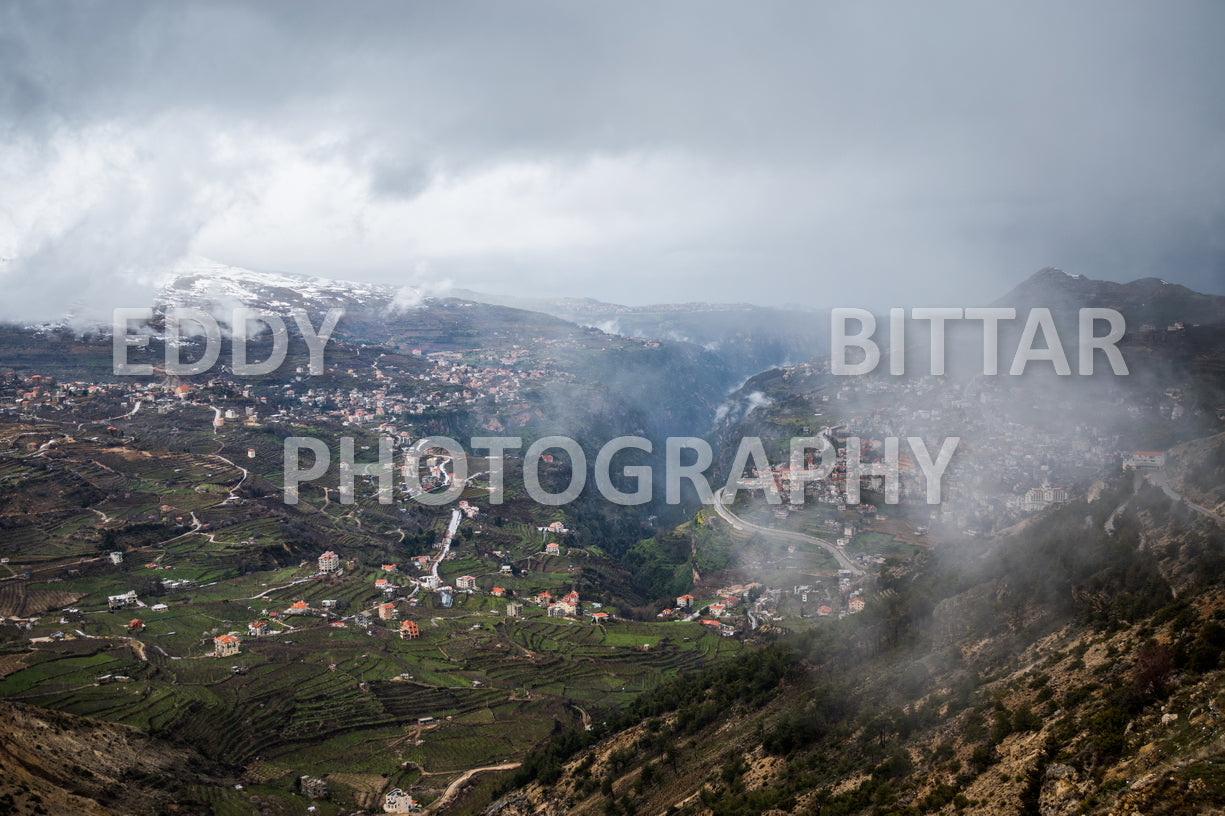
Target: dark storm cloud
{"type": "Point", "coordinates": [832, 154]}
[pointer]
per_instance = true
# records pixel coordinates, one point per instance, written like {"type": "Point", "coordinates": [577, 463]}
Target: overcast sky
{"type": "Point", "coordinates": [851, 154]}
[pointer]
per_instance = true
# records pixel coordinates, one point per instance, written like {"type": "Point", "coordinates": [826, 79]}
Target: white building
{"type": "Point", "coordinates": [1144, 459]}
{"type": "Point", "coordinates": [1041, 497]}
{"type": "Point", "coordinates": [329, 562]}
{"type": "Point", "coordinates": [397, 801]}
{"type": "Point", "coordinates": [122, 601]}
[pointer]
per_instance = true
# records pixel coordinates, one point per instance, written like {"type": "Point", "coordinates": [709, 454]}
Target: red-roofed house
{"type": "Point", "coordinates": [329, 562]}
{"type": "Point", "coordinates": [225, 645]}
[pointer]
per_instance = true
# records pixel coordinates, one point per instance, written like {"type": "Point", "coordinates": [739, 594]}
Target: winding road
{"type": "Point", "coordinates": [786, 535]}
{"type": "Point", "coordinates": [453, 789]}
{"type": "Point", "coordinates": [1158, 479]}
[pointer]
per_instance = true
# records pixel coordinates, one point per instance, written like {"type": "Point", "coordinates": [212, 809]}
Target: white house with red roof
{"type": "Point", "coordinates": [329, 562]}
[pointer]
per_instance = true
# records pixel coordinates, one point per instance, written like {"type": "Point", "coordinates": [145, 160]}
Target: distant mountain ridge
{"type": "Point", "coordinates": [749, 338]}
{"type": "Point", "coordinates": [592, 307]}
{"type": "Point", "coordinates": [1147, 300]}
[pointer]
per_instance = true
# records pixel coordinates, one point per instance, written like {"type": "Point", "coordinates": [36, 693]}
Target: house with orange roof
{"type": "Point", "coordinates": [225, 645]}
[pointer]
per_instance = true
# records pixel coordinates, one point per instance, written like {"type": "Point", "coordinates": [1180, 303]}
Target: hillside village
{"type": "Point", "coordinates": [153, 573]}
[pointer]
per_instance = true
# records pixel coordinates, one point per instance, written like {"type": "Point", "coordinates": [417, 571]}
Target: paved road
{"type": "Point", "coordinates": [456, 517]}
{"type": "Point", "coordinates": [1158, 479]}
{"type": "Point", "coordinates": [786, 535]}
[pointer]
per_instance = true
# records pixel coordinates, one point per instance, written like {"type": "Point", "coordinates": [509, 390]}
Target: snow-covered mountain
{"type": "Point", "coordinates": [209, 285]}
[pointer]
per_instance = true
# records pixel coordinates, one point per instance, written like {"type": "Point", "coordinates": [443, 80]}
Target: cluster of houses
{"type": "Point", "coordinates": [569, 606]}
{"type": "Point", "coordinates": [1002, 449]}
{"type": "Point", "coordinates": [387, 390]}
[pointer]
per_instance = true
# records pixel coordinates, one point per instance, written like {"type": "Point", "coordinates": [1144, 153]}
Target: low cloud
{"type": "Point", "coordinates": [820, 156]}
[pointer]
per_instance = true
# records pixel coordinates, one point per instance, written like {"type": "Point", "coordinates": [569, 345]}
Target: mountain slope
{"type": "Point", "coordinates": [1054, 672]}
{"type": "Point", "coordinates": [51, 762]}
{"type": "Point", "coordinates": [1147, 300]}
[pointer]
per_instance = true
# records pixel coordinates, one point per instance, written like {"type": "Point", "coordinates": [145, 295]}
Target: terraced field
{"type": "Point", "coordinates": [309, 698]}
